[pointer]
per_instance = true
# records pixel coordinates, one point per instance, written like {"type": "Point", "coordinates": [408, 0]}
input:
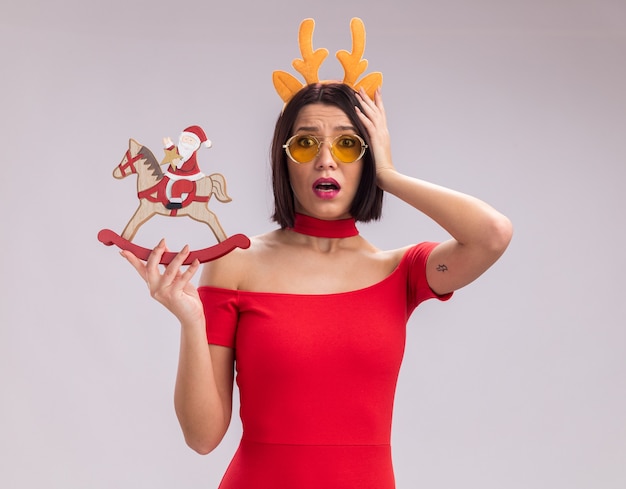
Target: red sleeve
{"type": "Point", "coordinates": [221, 313]}
{"type": "Point", "coordinates": [418, 289]}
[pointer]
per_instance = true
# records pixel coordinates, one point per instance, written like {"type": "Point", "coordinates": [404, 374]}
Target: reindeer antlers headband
{"type": "Point", "coordinates": [353, 65]}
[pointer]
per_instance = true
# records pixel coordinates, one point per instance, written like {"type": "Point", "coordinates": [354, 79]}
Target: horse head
{"type": "Point", "coordinates": [137, 160]}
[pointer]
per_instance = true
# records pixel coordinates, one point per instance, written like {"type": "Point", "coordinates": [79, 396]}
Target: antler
{"type": "Point", "coordinates": [311, 60]}
{"type": "Point", "coordinates": [287, 85]}
{"type": "Point", "coordinates": [354, 65]}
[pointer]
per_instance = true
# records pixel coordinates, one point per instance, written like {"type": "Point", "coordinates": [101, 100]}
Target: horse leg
{"type": "Point", "coordinates": [144, 212]}
{"type": "Point", "coordinates": [201, 213]}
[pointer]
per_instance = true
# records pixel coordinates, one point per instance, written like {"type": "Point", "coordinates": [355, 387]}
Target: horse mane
{"type": "Point", "coordinates": [152, 163]}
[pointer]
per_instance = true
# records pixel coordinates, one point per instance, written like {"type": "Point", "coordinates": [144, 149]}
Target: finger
{"type": "Point", "coordinates": [374, 114]}
{"type": "Point", "coordinates": [378, 100]}
{"type": "Point", "coordinates": [368, 102]}
{"type": "Point", "coordinates": [191, 271]}
{"type": "Point", "coordinates": [172, 271]}
{"type": "Point", "coordinates": [135, 262]}
{"type": "Point", "coordinates": [187, 275]}
{"type": "Point", "coordinates": [152, 263]}
{"type": "Point", "coordinates": [364, 119]}
{"type": "Point", "coordinates": [363, 95]}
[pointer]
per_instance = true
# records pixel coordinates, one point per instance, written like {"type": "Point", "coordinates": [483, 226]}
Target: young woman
{"type": "Point", "coordinates": [312, 316]}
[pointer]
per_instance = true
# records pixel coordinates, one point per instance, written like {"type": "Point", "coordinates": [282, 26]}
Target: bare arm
{"type": "Point", "coordinates": [480, 234]}
{"type": "Point", "coordinates": [204, 383]}
{"type": "Point", "coordinates": [204, 389]}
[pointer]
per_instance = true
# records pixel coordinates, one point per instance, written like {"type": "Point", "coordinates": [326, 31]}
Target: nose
{"type": "Point", "coordinates": [325, 158]}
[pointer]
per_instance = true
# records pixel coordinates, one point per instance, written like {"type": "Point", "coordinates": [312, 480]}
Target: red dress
{"type": "Point", "coordinates": [317, 377]}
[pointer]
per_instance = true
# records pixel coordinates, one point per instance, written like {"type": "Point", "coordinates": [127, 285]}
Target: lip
{"type": "Point", "coordinates": [323, 193]}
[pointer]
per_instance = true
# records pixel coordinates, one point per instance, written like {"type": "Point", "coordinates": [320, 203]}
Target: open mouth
{"type": "Point", "coordinates": [326, 186]}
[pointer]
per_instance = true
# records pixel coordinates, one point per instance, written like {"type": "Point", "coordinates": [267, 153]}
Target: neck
{"type": "Point", "coordinates": [320, 228]}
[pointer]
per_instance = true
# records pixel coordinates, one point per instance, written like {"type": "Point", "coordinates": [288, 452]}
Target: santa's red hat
{"type": "Point", "coordinates": [198, 133]}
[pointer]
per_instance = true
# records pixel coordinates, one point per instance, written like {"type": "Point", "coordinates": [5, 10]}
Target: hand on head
{"type": "Point", "coordinates": [374, 118]}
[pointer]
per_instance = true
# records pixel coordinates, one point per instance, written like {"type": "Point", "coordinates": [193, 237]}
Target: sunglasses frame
{"type": "Point", "coordinates": [319, 148]}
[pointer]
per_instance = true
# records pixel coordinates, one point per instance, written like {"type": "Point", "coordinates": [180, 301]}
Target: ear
{"type": "Point", "coordinates": [134, 147]}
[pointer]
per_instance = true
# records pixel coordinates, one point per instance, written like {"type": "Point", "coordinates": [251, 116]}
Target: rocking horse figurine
{"type": "Point", "coordinates": [183, 190]}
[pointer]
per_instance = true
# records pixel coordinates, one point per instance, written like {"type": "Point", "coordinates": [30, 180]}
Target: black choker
{"type": "Point", "coordinates": [311, 226]}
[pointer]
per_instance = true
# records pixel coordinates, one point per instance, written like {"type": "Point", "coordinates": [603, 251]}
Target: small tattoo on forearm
{"type": "Point", "coordinates": [442, 268]}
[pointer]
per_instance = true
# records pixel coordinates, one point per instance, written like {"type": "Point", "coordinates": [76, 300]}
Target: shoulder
{"type": "Point", "coordinates": [407, 252]}
{"type": "Point", "coordinates": [230, 271]}
{"type": "Point", "coordinates": [414, 255]}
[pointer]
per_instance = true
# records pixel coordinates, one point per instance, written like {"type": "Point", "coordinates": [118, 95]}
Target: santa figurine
{"type": "Point", "coordinates": [184, 171]}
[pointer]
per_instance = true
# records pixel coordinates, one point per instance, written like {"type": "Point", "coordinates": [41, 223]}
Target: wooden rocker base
{"type": "Point", "coordinates": [108, 237]}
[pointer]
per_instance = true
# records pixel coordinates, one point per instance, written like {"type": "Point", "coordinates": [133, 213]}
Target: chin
{"type": "Point", "coordinates": [328, 210]}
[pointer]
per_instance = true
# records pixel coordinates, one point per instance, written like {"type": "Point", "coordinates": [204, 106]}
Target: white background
{"type": "Point", "coordinates": [517, 383]}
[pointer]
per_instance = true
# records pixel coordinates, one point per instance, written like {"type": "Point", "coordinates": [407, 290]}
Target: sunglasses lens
{"type": "Point", "coordinates": [347, 148]}
{"type": "Point", "coordinates": [303, 149]}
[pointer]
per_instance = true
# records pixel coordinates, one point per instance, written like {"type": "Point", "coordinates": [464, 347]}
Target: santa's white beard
{"type": "Point", "coordinates": [186, 150]}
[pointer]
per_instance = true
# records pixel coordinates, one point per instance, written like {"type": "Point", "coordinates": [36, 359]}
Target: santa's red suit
{"type": "Point", "coordinates": [182, 179]}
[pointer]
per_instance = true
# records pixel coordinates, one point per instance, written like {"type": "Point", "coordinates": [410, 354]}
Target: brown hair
{"type": "Point", "coordinates": [367, 203]}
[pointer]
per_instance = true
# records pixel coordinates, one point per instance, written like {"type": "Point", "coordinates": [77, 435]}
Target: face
{"type": "Point", "coordinates": [188, 140]}
{"type": "Point", "coordinates": [324, 188]}
{"type": "Point", "coordinates": [187, 145]}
